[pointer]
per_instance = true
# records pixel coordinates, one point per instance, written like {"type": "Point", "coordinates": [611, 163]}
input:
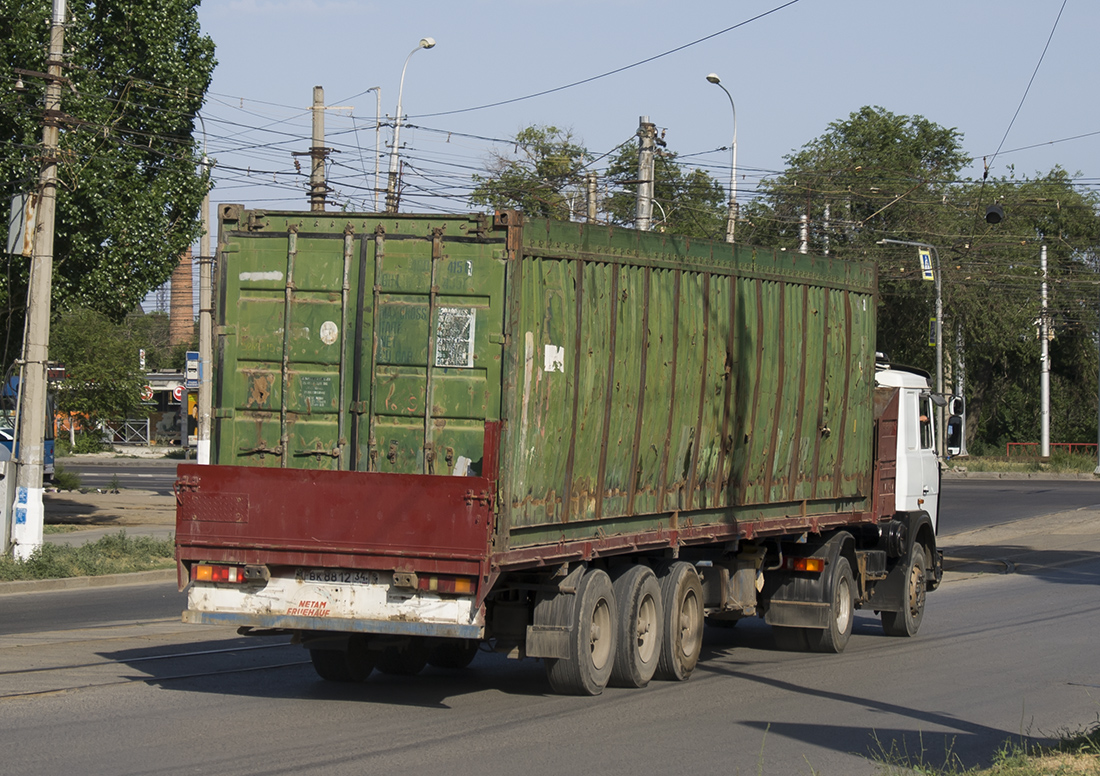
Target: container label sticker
{"type": "Point", "coordinates": [454, 337]}
{"type": "Point", "coordinates": [554, 359]}
{"type": "Point", "coordinates": [329, 331]}
{"type": "Point", "coordinates": [317, 391]}
{"type": "Point", "coordinates": [246, 277]}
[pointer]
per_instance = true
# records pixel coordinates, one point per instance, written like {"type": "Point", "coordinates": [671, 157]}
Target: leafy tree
{"type": "Point", "coordinates": [129, 188]}
{"type": "Point", "coordinates": [690, 202]}
{"type": "Point", "coordinates": [102, 377]}
{"type": "Point", "coordinates": [544, 178]}
{"type": "Point", "coordinates": [878, 176]}
{"type": "Point", "coordinates": [150, 332]}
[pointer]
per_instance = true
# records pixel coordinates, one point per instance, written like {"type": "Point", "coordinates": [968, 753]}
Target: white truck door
{"type": "Point", "coordinates": [922, 488]}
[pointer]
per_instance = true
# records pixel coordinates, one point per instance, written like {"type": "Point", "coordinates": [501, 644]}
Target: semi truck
{"type": "Point", "coordinates": [434, 434]}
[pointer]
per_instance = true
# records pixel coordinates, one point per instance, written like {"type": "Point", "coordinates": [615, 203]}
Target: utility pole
{"type": "Point", "coordinates": [590, 188]}
{"type": "Point", "coordinates": [1044, 364]}
{"type": "Point", "coordinates": [318, 153]}
{"type": "Point", "coordinates": [206, 329]}
{"type": "Point", "coordinates": [29, 515]}
{"type": "Point", "coordinates": [643, 206]}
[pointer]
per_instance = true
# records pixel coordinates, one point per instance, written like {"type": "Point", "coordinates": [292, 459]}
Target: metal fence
{"type": "Point", "coordinates": [1031, 449]}
{"type": "Point", "coordinates": [134, 431]}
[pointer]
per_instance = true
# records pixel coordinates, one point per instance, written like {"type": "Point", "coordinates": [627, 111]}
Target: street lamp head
{"type": "Point", "coordinates": [427, 42]}
{"type": "Point", "coordinates": [714, 79]}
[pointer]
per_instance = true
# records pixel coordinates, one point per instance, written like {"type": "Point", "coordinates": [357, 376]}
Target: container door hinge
{"type": "Point", "coordinates": [484, 498]}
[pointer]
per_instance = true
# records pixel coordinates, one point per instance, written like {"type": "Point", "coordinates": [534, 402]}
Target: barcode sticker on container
{"type": "Point", "coordinates": [454, 337]}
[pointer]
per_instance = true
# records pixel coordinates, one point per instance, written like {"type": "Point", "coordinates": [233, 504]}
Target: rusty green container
{"type": "Point", "coordinates": [639, 380]}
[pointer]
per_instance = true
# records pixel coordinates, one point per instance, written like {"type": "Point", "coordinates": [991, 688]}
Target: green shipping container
{"type": "Point", "coordinates": [639, 381]}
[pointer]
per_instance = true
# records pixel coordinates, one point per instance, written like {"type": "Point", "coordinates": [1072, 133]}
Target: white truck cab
{"type": "Point", "coordinates": [917, 486]}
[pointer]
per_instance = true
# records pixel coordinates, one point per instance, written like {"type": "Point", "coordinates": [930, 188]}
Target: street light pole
{"type": "Point", "coordinates": [939, 329]}
{"type": "Point", "coordinates": [391, 183]}
{"type": "Point", "coordinates": [731, 220]}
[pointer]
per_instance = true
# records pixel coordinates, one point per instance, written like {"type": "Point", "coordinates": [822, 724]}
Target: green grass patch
{"type": "Point", "coordinates": [114, 554]}
{"type": "Point", "coordinates": [1059, 463]}
{"type": "Point", "coordinates": [60, 528]}
{"type": "Point", "coordinates": [1076, 754]}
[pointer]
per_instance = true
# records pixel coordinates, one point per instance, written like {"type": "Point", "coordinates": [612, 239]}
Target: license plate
{"type": "Point", "coordinates": [337, 576]}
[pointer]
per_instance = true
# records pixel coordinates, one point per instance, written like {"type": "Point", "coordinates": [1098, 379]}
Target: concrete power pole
{"type": "Point", "coordinates": [643, 207]}
{"type": "Point", "coordinates": [590, 180]}
{"type": "Point", "coordinates": [318, 153]}
{"type": "Point", "coordinates": [29, 515]}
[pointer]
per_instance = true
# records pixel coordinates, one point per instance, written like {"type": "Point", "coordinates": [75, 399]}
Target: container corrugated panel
{"type": "Point", "coordinates": [327, 324]}
{"type": "Point", "coordinates": [659, 376]}
{"type": "Point", "coordinates": [644, 381]}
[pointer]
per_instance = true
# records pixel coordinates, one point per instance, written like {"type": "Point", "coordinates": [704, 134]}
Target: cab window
{"type": "Point", "coordinates": [926, 435]}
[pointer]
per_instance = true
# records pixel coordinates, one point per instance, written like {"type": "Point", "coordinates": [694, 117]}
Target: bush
{"type": "Point", "coordinates": [64, 479]}
{"type": "Point", "coordinates": [114, 554]}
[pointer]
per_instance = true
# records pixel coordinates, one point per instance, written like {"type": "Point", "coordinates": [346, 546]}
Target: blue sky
{"type": "Point", "coordinates": [959, 63]}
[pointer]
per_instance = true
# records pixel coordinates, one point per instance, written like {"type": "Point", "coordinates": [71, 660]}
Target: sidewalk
{"type": "Point", "coordinates": [137, 512]}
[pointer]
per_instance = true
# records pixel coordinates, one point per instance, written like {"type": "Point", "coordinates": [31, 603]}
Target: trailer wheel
{"type": "Point", "coordinates": [455, 654]}
{"type": "Point", "coordinates": [591, 638]}
{"type": "Point", "coordinates": [638, 596]}
{"type": "Point", "coordinates": [841, 611]}
{"type": "Point", "coordinates": [406, 660]}
{"type": "Point", "coordinates": [907, 621]}
{"type": "Point", "coordinates": [337, 665]}
{"type": "Point", "coordinates": [682, 602]}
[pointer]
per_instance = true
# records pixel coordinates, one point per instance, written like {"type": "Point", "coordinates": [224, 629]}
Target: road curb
{"type": "Point", "coordinates": [79, 583]}
{"type": "Point", "coordinates": [963, 475]}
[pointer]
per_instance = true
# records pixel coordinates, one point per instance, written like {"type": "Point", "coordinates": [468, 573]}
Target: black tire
{"type": "Point", "coordinates": [790, 639]}
{"type": "Point", "coordinates": [907, 621]}
{"type": "Point", "coordinates": [406, 660]}
{"type": "Point", "coordinates": [337, 665]}
{"type": "Point", "coordinates": [454, 654]}
{"type": "Point", "coordinates": [639, 624]}
{"type": "Point", "coordinates": [591, 639]}
{"type": "Point", "coordinates": [682, 605]}
{"type": "Point", "coordinates": [841, 599]}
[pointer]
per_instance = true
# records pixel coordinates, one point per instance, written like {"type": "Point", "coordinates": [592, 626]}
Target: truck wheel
{"type": "Point", "coordinates": [406, 660]}
{"type": "Point", "coordinates": [455, 654]}
{"type": "Point", "coordinates": [337, 665]}
{"type": "Point", "coordinates": [638, 596]}
{"type": "Point", "coordinates": [841, 611]}
{"type": "Point", "coordinates": [682, 605]}
{"type": "Point", "coordinates": [591, 639]}
{"type": "Point", "coordinates": [907, 621]}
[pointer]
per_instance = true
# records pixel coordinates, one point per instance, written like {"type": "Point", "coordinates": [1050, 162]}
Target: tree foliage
{"type": "Point", "coordinates": [877, 176]}
{"type": "Point", "coordinates": [129, 187]}
{"type": "Point", "coordinates": [103, 380]}
{"type": "Point", "coordinates": [689, 201]}
{"type": "Point", "coordinates": [544, 177]}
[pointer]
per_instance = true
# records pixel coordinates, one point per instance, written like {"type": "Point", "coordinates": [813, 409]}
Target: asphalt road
{"type": "Point", "coordinates": [969, 504]}
{"type": "Point", "coordinates": [157, 697]}
{"type": "Point", "coordinates": [999, 655]}
{"type": "Point", "coordinates": [155, 474]}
